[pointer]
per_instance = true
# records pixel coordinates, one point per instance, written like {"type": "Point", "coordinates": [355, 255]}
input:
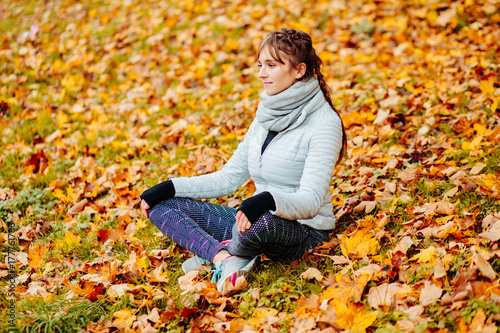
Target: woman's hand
{"type": "Point", "coordinates": [242, 222]}
{"type": "Point", "coordinates": [144, 208]}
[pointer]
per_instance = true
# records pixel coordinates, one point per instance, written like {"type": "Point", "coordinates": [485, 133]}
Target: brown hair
{"type": "Point", "coordinates": [297, 46]}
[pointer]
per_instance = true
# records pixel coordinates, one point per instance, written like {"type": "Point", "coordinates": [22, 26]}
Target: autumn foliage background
{"type": "Point", "coordinates": [100, 100]}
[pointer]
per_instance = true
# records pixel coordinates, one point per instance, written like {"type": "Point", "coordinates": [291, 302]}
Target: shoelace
{"type": "Point", "coordinates": [217, 272]}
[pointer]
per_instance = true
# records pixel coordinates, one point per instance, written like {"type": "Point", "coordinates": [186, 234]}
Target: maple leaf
{"type": "Point", "coordinates": [346, 288]}
{"type": "Point", "coordinates": [353, 316]}
{"type": "Point", "coordinates": [493, 233]}
{"type": "Point", "coordinates": [36, 255]}
{"type": "Point", "coordinates": [483, 265]}
{"type": "Point", "coordinates": [124, 319]}
{"type": "Point", "coordinates": [430, 293]}
{"type": "Point", "coordinates": [426, 256]}
{"type": "Point", "coordinates": [489, 183]}
{"type": "Point", "coordinates": [386, 294]}
{"type": "Point", "coordinates": [312, 273]}
{"type": "Point", "coordinates": [118, 290]}
{"type": "Point", "coordinates": [359, 244]}
{"type": "Point", "coordinates": [264, 317]}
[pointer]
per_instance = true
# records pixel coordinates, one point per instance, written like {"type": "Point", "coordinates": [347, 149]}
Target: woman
{"type": "Point", "coordinates": [290, 151]}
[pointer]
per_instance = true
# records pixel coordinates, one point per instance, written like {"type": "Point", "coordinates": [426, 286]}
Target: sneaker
{"type": "Point", "coordinates": [193, 263]}
{"type": "Point", "coordinates": [230, 269]}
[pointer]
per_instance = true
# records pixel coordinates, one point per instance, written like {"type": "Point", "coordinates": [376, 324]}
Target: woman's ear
{"type": "Point", "coordinates": [300, 70]}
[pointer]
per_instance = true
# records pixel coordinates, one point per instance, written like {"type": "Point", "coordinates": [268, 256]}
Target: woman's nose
{"type": "Point", "coordinates": [262, 73]}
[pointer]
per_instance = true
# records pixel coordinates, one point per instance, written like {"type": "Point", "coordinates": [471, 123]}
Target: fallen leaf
{"type": "Point", "coordinates": [493, 234]}
{"type": "Point", "coordinates": [426, 256]}
{"type": "Point", "coordinates": [353, 316]}
{"type": "Point", "coordinates": [78, 207]}
{"type": "Point", "coordinates": [346, 288]}
{"type": "Point", "coordinates": [360, 244]}
{"type": "Point", "coordinates": [124, 319]}
{"type": "Point", "coordinates": [483, 265]}
{"type": "Point", "coordinates": [430, 293]}
{"type": "Point", "coordinates": [312, 274]}
{"type": "Point", "coordinates": [386, 294]}
{"type": "Point", "coordinates": [489, 184]}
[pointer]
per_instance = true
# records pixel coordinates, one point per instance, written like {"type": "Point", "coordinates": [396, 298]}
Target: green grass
{"type": "Point", "coordinates": [59, 315]}
{"type": "Point", "coordinates": [11, 168]}
{"type": "Point", "coordinates": [42, 181]}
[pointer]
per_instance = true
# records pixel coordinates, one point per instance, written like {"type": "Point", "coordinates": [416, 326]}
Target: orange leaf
{"type": "Point", "coordinates": [124, 319]}
{"type": "Point", "coordinates": [36, 255]}
{"type": "Point", "coordinates": [346, 288]}
{"type": "Point", "coordinates": [360, 244]}
{"type": "Point", "coordinates": [489, 183]}
{"type": "Point", "coordinates": [353, 316]}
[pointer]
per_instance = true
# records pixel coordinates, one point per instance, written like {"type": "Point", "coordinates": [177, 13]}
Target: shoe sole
{"type": "Point", "coordinates": [244, 271]}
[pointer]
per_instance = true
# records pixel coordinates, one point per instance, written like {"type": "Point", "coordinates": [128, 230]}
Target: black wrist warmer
{"type": "Point", "coordinates": [156, 194]}
{"type": "Point", "coordinates": [257, 205]}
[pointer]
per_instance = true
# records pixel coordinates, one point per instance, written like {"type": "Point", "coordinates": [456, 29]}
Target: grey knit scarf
{"type": "Point", "coordinates": [278, 112]}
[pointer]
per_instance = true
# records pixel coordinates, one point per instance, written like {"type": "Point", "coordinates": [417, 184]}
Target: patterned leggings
{"type": "Point", "coordinates": [200, 227]}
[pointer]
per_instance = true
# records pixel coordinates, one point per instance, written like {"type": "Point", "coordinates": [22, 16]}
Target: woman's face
{"type": "Point", "coordinates": [276, 76]}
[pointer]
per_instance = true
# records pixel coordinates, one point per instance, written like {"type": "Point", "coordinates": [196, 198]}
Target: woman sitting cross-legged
{"type": "Point", "coordinates": [289, 151]}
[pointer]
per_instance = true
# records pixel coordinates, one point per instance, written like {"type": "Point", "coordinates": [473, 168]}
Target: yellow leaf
{"type": "Point", "coordinates": [429, 84]}
{"type": "Point", "coordinates": [360, 244]}
{"type": "Point", "coordinates": [232, 44]}
{"type": "Point", "coordinates": [70, 240]}
{"type": "Point", "coordinates": [487, 87]}
{"type": "Point", "coordinates": [489, 183]}
{"type": "Point", "coordinates": [201, 67]}
{"type": "Point", "coordinates": [426, 256]}
{"type": "Point", "coordinates": [494, 103]}
{"type": "Point", "coordinates": [58, 193]}
{"type": "Point", "coordinates": [193, 128]}
{"type": "Point", "coordinates": [262, 317]}
{"type": "Point", "coordinates": [472, 145]}
{"type": "Point", "coordinates": [124, 319]}
{"type": "Point", "coordinates": [353, 316]}
{"type": "Point", "coordinates": [72, 82]}
{"type": "Point", "coordinates": [70, 195]}
{"type": "Point", "coordinates": [480, 129]}
{"type": "Point", "coordinates": [408, 86]}
{"type": "Point", "coordinates": [36, 255]}
{"type": "Point", "coordinates": [346, 288]}
{"type": "Point", "coordinates": [141, 224]}
{"type": "Point", "coordinates": [143, 262]}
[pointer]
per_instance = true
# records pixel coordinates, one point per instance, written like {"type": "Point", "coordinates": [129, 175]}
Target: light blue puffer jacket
{"type": "Point", "coordinates": [296, 168]}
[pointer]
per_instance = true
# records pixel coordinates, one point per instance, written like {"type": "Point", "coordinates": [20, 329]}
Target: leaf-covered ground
{"type": "Point", "coordinates": [100, 100]}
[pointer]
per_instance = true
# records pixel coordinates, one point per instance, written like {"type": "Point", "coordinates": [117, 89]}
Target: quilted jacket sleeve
{"type": "Point", "coordinates": [313, 193]}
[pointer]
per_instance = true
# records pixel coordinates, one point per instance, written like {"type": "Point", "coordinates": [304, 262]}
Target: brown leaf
{"type": "Point", "coordinates": [483, 265]}
{"type": "Point", "coordinates": [228, 288]}
{"type": "Point", "coordinates": [77, 208]}
{"type": "Point", "coordinates": [439, 269]}
{"type": "Point", "coordinates": [430, 293]}
{"type": "Point", "coordinates": [493, 234]}
{"type": "Point", "coordinates": [404, 244]}
{"type": "Point", "coordinates": [387, 294]}
{"type": "Point", "coordinates": [186, 281]}
{"type": "Point", "coordinates": [312, 273]}
{"type": "Point", "coordinates": [407, 176]}
{"type": "Point", "coordinates": [367, 206]}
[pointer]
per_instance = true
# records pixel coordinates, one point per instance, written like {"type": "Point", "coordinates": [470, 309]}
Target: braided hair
{"type": "Point", "coordinates": [297, 46]}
